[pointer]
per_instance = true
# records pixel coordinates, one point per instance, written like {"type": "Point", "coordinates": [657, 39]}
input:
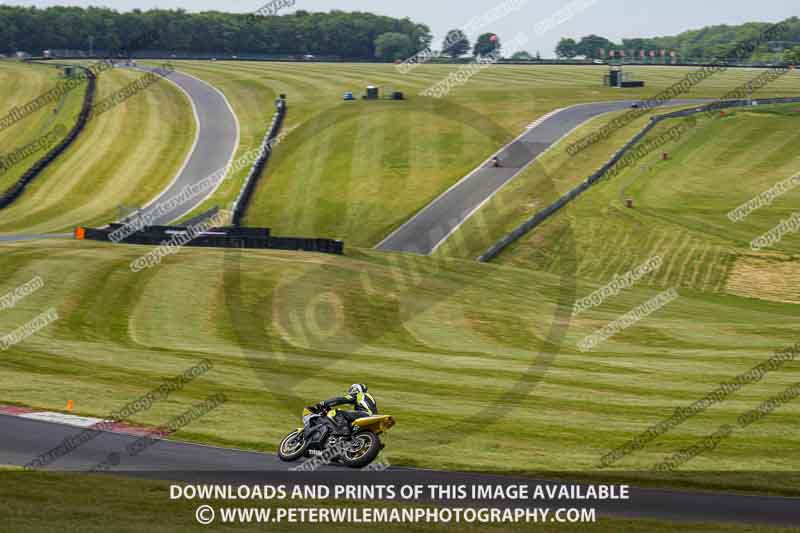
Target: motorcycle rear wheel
{"type": "Point", "coordinates": [366, 447]}
{"type": "Point", "coordinates": [292, 447]}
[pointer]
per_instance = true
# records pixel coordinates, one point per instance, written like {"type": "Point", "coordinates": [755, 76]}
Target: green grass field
{"type": "Point", "coordinates": [21, 84]}
{"type": "Point", "coordinates": [125, 156]}
{"type": "Point", "coordinates": [358, 170]}
{"type": "Point", "coordinates": [41, 503]}
{"type": "Point", "coordinates": [555, 173]}
{"type": "Point", "coordinates": [478, 362]}
{"type": "Point", "coordinates": [681, 208]}
{"type": "Point", "coordinates": [442, 343]}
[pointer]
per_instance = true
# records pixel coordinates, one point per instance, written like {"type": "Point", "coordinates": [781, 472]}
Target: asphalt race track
{"type": "Point", "coordinates": [24, 439]}
{"type": "Point", "coordinates": [429, 228]}
{"type": "Point", "coordinates": [214, 148]}
{"type": "Point", "coordinates": [215, 145]}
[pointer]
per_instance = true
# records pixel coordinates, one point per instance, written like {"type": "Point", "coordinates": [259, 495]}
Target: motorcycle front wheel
{"type": "Point", "coordinates": [293, 447]}
{"type": "Point", "coordinates": [364, 448]}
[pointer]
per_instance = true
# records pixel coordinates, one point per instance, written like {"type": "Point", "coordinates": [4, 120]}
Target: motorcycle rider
{"type": "Point", "coordinates": [344, 410]}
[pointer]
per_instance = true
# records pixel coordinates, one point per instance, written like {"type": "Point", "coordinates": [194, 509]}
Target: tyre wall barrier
{"type": "Point", "coordinates": [553, 208]}
{"type": "Point", "coordinates": [225, 237]}
{"type": "Point", "coordinates": [16, 190]}
{"type": "Point", "coordinates": [260, 164]}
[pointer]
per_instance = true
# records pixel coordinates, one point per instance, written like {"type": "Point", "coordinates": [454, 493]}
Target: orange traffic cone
{"type": "Point", "coordinates": [70, 405]}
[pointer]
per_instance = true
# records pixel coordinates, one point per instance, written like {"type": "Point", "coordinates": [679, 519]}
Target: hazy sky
{"type": "Point", "coordinates": [610, 18]}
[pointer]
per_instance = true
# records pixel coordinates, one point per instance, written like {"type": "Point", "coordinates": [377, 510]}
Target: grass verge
{"type": "Point", "coordinates": [443, 344]}
{"type": "Point", "coordinates": [125, 156]}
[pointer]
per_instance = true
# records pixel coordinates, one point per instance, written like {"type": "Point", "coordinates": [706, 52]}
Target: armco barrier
{"type": "Point", "coordinates": [246, 194]}
{"type": "Point", "coordinates": [16, 190]}
{"type": "Point", "coordinates": [226, 237]}
{"type": "Point", "coordinates": [550, 210]}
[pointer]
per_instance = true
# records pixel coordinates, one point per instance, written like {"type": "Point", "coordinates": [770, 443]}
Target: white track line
{"type": "Point", "coordinates": [521, 170]}
{"type": "Point", "coordinates": [196, 140]}
{"type": "Point", "coordinates": [194, 144]}
{"type": "Point", "coordinates": [459, 182]}
{"type": "Point", "coordinates": [528, 129]}
{"type": "Point", "coordinates": [236, 145]}
{"type": "Point", "coordinates": [63, 419]}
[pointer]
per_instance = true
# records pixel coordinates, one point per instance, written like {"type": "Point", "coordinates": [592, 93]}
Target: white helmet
{"type": "Point", "coordinates": [357, 388]}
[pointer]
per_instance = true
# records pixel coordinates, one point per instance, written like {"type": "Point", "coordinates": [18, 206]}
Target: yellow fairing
{"type": "Point", "coordinates": [376, 424]}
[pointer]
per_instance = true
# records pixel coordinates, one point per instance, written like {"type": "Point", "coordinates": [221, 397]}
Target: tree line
{"type": "Point", "coordinates": [693, 45]}
{"type": "Point", "coordinates": [456, 44]}
{"type": "Point", "coordinates": [349, 35]}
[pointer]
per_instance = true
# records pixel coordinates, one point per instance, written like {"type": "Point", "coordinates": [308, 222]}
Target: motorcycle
{"type": "Point", "coordinates": [317, 438]}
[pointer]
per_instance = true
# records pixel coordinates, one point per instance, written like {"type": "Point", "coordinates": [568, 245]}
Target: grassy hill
{"type": "Point", "coordinates": [479, 362]}
{"type": "Point", "coordinates": [125, 156]}
{"type": "Point", "coordinates": [681, 208]}
{"type": "Point", "coordinates": [21, 83]}
{"type": "Point", "coordinates": [358, 170]}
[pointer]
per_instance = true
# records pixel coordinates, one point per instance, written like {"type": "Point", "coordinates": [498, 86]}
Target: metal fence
{"type": "Point", "coordinates": [556, 206]}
